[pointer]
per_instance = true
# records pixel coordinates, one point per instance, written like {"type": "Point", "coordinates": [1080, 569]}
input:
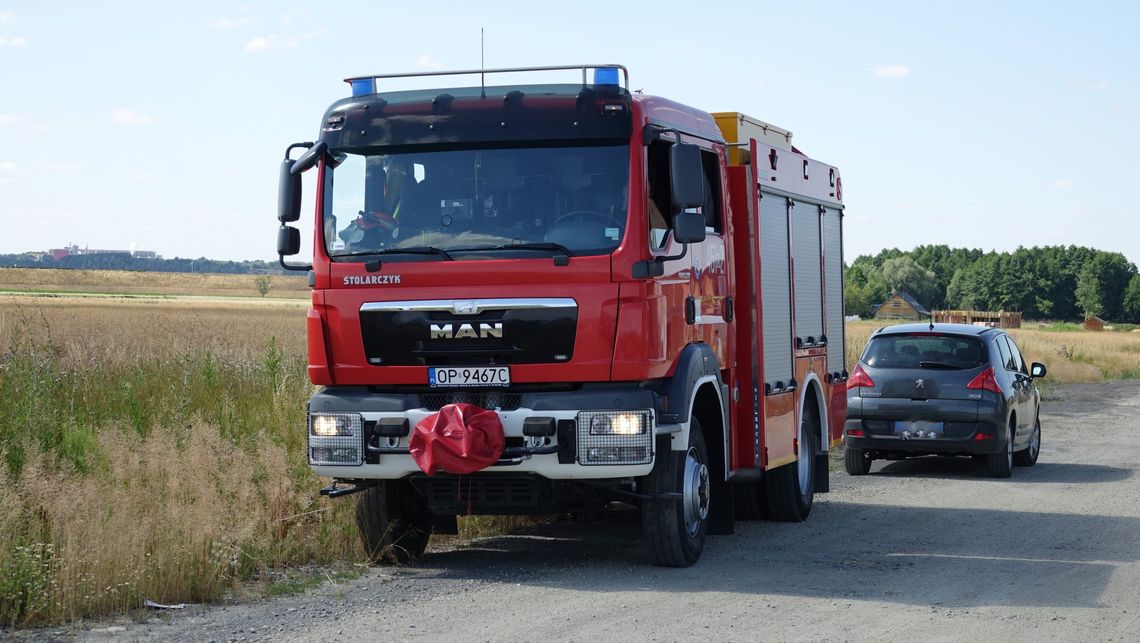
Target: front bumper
{"type": "Point", "coordinates": [557, 457]}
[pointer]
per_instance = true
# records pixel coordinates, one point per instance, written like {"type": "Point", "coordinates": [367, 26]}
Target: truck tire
{"type": "Point", "coordinates": [1000, 465]}
{"type": "Point", "coordinates": [1027, 457]}
{"type": "Point", "coordinates": [393, 522]}
{"type": "Point", "coordinates": [856, 461]}
{"type": "Point", "coordinates": [791, 489]}
{"type": "Point", "coordinates": [674, 527]}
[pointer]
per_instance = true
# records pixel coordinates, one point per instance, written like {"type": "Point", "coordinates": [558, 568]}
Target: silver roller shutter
{"type": "Point", "coordinates": [776, 290]}
{"type": "Point", "coordinates": [833, 285]}
{"type": "Point", "coordinates": [808, 280]}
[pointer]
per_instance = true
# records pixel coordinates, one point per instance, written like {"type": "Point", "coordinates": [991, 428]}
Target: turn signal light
{"type": "Point", "coordinates": [859, 377]}
{"type": "Point", "coordinates": [985, 381]}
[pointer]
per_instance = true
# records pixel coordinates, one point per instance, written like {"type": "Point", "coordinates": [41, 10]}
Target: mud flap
{"type": "Point", "coordinates": [722, 510]}
{"type": "Point", "coordinates": [822, 475]}
{"type": "Point", "coordinates": [447, 525]}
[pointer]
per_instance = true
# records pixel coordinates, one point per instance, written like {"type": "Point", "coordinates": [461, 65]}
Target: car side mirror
{"type": "Point", "coordinates": [1037, 370]}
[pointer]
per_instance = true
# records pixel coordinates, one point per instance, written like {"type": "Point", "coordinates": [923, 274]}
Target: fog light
{"type": "Point", "coordinates": [619, 424]}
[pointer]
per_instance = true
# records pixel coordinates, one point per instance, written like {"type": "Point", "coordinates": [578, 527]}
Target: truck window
{"type": "Point", "coordinates": [660, 203]}
{"type": "Point", "coordinates": [475, 203]}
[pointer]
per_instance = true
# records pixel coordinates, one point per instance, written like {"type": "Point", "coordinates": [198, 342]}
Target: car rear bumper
{"type": "Point", "coordinates": [967, 427]}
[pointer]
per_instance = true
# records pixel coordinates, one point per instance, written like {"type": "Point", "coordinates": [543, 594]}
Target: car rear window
{"type": "Point", "coordinates": [925, 351]}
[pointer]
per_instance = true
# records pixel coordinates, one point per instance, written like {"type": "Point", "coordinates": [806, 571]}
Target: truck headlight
{"type": "Point", "coordinates": [619, 424]}
{"type": "Point", "coordinates": [336, 439]}
{"type": "Point", "coordinates": [615, 437]}
{"type": "Point", "coordinates": [333, 424]}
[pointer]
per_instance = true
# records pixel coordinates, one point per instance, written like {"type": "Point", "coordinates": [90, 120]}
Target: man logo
{"type": "Point", "coordinates": [467, 331]}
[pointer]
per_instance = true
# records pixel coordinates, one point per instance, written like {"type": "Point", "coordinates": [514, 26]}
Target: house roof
{"type": "Point", "coordinates": [919, 308]}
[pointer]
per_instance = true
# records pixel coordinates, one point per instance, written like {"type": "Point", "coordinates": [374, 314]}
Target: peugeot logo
{"type": "Point", "coordinates": [467, 331]}
{"type": "Point", "coordinates": [920, 384]}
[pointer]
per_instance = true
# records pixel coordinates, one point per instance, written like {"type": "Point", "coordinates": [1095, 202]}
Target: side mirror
{"type": "Point", "coordinates": [688, 227]}
{"type": "Point", "coordinates": [1037, 370]}
{"type": "Point", "coordinates": [288, 194]}
{"type": "Point", "coordinates": [288, 241]}
{"type": "Point", "coordinates": [686, 176]}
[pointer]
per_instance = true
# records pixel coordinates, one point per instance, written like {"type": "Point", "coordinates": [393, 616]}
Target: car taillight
{"type": "Point", "coordinates": [859, 377]}
{"type": "Point", "coordinates": [985, 381]}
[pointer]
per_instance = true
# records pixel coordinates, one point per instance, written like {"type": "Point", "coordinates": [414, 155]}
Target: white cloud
{"type": "Point", "coordinates": [426, 61]}
{"type": "Point", "coordinates": [892, 71]}
{"type": "Point", "coordinates": [225, 22]}
{"type": "Point", "coordinates": [1062, 184]}
{"type": "Point", "coordinates": [7, 172]}
{"type": "Point", "coordinates": [263, 44]}
{"type": "Point", "coordinates": [62, 167]}
{"type": "Point", "coordinates": [123, 116]}
{"type": "Point", "coordinates": [144, 177]}
{"type": "Point", "coordinates": [10, 119]}
{"type": "Point", "coordinates": [14, 41]}
{"type": "Point", "coordinates": [259, 44]}
{"type": "Point", "coordinates": [6, 17]}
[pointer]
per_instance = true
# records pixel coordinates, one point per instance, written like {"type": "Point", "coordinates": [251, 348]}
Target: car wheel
{"type": "Point", "coordinates": [857, 462]}
{"type": "Point", "coordinates": [1000, 464]}
{"type": "Point", "coordinates": [394, 524]}
{"type": "Point", "coordinates": [1027, 457]}
{"type": "Point", "coordinates": [675, 526]}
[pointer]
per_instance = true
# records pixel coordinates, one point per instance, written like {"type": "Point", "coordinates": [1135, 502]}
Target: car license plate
{"type": "Point", "coordinates": [918, 429]}
{"type": "Point", "coordinates": [469, 376]}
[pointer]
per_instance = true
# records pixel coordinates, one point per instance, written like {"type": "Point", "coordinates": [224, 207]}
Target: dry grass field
{"type": "Point", "coordinates": [147, 283]}
{"type": "Point", "coordinates": [154, 448]}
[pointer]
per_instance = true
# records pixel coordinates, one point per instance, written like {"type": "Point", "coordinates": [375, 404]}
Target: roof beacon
{"type": "Point", "coordinates": [606, 76]}
{"type": "Point", "coordinates": [362, 86]}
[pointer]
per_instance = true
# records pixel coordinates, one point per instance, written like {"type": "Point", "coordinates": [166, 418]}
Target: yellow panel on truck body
{"type": "Point", "coordinates": [739, 128]}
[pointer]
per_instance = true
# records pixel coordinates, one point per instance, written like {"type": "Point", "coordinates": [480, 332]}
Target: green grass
{"type": "Point", "coordinates": [170, 477]}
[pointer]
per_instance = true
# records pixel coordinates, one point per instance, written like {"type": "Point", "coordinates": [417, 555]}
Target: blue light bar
{"type": "Point", "coordinates": [606, 76]}
{"type": "Point", "coordinates": [363, 86]}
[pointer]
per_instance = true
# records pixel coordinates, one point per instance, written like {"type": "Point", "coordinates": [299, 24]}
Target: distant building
{"type": "Point", "coordinates": [1094, 323]}
{"type": "Point", "coordinates": [900, 305]}
{"type": "Point", "coordinates": [991, 318]}
{"type": "Point", "coordinates": [72, 249]}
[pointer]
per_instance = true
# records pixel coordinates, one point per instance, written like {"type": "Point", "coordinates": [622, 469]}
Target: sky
{"type": "Point", "coordinates": [161, 125]}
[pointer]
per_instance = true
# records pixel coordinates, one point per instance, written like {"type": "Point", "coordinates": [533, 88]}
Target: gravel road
{"type": "Point", "coordinates": [921, 549]}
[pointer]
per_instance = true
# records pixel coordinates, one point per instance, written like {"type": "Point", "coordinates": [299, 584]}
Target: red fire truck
{"type": "Point", "coordinates": [534, 297]}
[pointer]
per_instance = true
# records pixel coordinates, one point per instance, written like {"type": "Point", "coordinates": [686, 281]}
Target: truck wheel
{"type": "Point", "coordinates": [675, 527]}
{"type": "Point", "coordinates": [856, 461]}
{"type": "Point", "coordinates": [1027, 457]}
{"type": "Point", "coordinates": [394, 524]}
{"type": "Point", "coordinates": [1000, 464]}
{"type": "Point", "coordinates": [791, 489]}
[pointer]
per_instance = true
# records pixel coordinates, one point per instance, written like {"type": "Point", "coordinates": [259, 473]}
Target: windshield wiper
{"type": "Point", "coordinates": [941, 365]}
{"type": "Point", "coordinates": [544, 245]}
{"type": "Point", "coordinates": [411, 250]}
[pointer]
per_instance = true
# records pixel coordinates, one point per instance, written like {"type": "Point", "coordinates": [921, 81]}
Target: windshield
{"type": "Point", "coordinates": [925, 351]}
{"type": "Point", "coordinates": [476, 203]}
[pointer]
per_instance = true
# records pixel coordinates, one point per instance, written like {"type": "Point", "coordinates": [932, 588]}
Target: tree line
{"type": "Point", "coordinates": [1053, 282]}
{"type": "Point", "coordinates": [125, 261]}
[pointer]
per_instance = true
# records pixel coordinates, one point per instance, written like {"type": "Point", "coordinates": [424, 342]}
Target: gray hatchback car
{"type": "Point", "coordinates": [947, 389]}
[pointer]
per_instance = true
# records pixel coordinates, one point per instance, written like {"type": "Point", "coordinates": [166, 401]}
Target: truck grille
{"type": "Point", "coordinates": [485, 400]}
